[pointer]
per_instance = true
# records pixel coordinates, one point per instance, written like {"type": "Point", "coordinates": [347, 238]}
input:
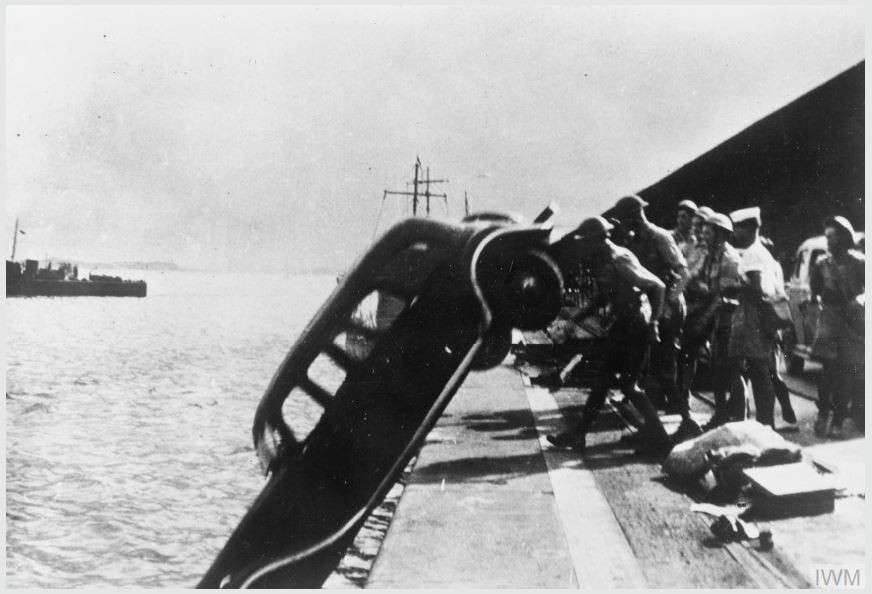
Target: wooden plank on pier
{"type": "Point", "coordinates": [601, 556]}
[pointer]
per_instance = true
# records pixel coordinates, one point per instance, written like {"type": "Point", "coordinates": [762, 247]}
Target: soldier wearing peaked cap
{"type": "Point", "coordinates": [747, 222]}
{"type": "Point", "coordinates": [620, 282]}
{"type": "Point", "coordinates": [657, 251]}
{"type": "Point", "coordinates": [750, 338]}
{"type": "Point", "coordinates": [744, 216]}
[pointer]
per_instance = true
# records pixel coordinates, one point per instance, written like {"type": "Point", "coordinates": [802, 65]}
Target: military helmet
{"type": "Point", "coordinates": [688, 205]}
{"type": "Point", "coordinates": [592, 228]}
{"type": "Point", "coordinates": [843, 227]}
{"type": "Point", "coordinates": [705, 212]}
{"type": "Point", "coordinates": [627, 206]}
{"type": "Point", "coordinates": [720, 221]}
{"type": "Point", "coordinates": [840, 223]}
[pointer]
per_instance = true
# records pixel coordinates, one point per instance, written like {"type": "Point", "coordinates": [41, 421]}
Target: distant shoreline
{"type": "Point", "coordinates": [160, 266]}
{"type": "Point", "coordinates": [156, 265]}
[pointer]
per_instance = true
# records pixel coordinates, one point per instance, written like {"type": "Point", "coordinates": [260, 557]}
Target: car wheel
{"type": "Point", "coordinates": [795, 365]}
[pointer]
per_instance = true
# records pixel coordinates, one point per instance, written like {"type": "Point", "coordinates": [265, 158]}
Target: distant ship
{"type": "Point", "coordinates": [64, 281]}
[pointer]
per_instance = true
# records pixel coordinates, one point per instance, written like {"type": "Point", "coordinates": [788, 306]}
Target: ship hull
{"type": "Point", "coordinates": [79, 288]}
{"type": "Point", "coordinates": [27, 284]}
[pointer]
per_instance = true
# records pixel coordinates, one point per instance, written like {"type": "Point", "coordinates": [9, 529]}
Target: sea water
{"type": "Point", "coordinates": [129, 458]}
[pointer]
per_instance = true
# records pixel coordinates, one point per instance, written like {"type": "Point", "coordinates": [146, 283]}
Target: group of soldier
{"type": "Point", "coordinates": [708, 284]}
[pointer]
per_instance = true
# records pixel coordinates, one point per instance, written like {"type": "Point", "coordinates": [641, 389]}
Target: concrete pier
{"type": "Point", "coordinates": [490, 505]}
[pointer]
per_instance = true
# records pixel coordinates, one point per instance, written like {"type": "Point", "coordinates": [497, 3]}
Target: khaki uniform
{"type": "Point", "coordinates": [720, 272]}
{"type": "Point", "coordinates": [838, 283]}
{"type": "Point", "coordinates": [621, 282]}
{"type": "Point", "coordinates": [695, 255]}
{"type": "Point", "coordinates": [658, 252]}
{"type": "Point", "coordinates": [840, 339]}
{"type": "Point", "coordinates": [684, 242]}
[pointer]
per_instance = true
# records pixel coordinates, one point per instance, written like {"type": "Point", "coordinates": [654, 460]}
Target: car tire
{"type": "Point", "coordinates": [795, 365]}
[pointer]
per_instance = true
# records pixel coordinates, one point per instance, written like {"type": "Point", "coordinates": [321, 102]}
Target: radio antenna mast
{"type": "Point", "coordinates": [416, 194]}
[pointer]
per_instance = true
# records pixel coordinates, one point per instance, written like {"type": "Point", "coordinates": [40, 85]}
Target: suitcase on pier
{"type": "Point", "coordinates": [457, 290]}
{"type": "Point", "coordinates": [789, 490]}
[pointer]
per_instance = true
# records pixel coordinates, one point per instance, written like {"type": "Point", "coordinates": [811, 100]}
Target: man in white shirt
{"type": "Point", "coordinates": [756, 257]}
{"type": "Point", "coordinates": [749, 339]}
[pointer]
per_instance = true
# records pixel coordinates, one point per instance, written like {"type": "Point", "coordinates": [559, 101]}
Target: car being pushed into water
{"type": "Point", "coordinates": [805, 313]}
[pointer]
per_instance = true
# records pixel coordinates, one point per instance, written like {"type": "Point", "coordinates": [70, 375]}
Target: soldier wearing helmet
{"type": "Point", "coordinates": [691, 343]}
{"type": "Point", "coordinates": [838, 286]}
{"type": "Point", "coordinates": [620, 282]}
{"type": "Point", "coordinates": [657, 251]}
{"type": "Point", "coordinates": [695, 253]}
{"type": "Point", "coordinates": [712, 320]}
{"type": "Point", "coordinates": [699, 218]}
{"type": "Point", "coordinates": [683, 232]}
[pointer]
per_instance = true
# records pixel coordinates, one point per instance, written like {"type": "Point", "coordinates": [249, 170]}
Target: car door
{"type": "Point", "coordinates": [798, 294]}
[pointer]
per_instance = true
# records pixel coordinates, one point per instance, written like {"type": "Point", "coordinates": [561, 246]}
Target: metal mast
{"type": "Point", "coordinates": [415, 193]}
{"type": "Point", "coordinates": [14, 240]}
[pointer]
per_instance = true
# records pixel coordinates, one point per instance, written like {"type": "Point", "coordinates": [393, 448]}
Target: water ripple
{"type": "Point", "coordinates": [128, 453]}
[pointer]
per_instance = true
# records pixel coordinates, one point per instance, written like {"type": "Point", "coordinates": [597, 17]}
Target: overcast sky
{"type": "Point", "coordinates": [229, 137]}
